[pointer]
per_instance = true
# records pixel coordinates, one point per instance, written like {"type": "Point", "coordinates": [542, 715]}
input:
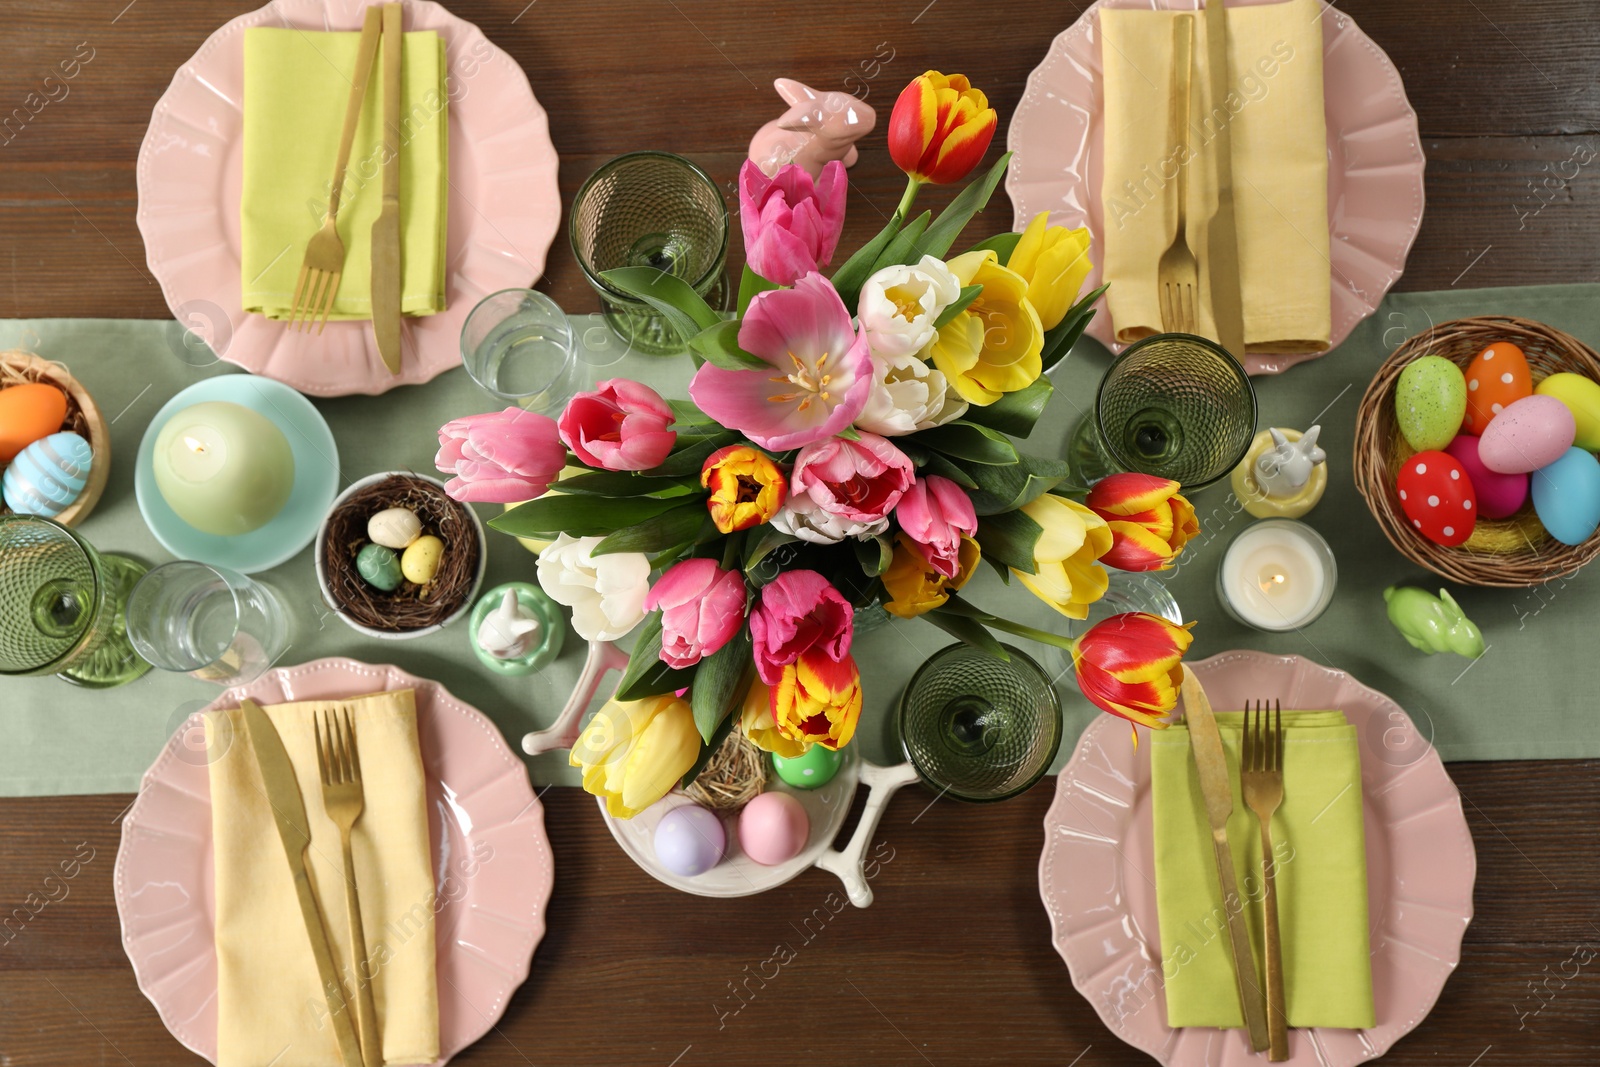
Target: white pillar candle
{"type": "Point", "coordinates": [1277, 575]}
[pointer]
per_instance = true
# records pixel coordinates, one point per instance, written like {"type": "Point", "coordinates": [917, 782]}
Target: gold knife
{"type": "Point", "coordinates": [1206, 742]}
{"type": "Point", "coordinates": [289, 812]}
{"type": "Point", "coordinates": [1222, 243]}
{"type": "Point", "coordinates": [386, 231]}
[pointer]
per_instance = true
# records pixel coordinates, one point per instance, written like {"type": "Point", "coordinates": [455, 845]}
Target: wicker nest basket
{"type": "Point", "coordinates": [1511, 553]}
{"type": "Point", "coordinates": [83, 419]}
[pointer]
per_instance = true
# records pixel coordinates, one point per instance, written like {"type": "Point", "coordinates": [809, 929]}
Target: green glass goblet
{"type": "Point", "coordinates": [977, 727]}
{"type": "Point", "coordinates": [651, 209]}
{"type": "Point", "coordinates": [62, 606]}
{"type": "Point", "coordinates": [1173, 405]}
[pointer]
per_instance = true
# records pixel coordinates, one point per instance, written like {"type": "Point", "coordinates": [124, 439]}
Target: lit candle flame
{"type": "Point", "coordinates": [195, 445]}
{"type": "Point", "coordinates": [1269, 583]}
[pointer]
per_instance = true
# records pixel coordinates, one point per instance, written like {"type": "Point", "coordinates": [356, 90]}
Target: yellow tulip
{"type": "Point", "coordinates": [913, 585]}
{"type": "Point", "coordinates": [1067, 577]}
{"type": "Point", "coordinates": [757, 724]}
{"type": "Point", "coordinates": [1055, 261]}
{"type": "Point", "coordinates": [992, 346]}
{"type": "Point", "coordinates": [633, 752]}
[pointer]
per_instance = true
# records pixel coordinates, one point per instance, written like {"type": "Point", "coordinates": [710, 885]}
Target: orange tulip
{"type": "Point", "coordinates": [747, 487]}
{"type": "Point", "coordinates": [818, 700]}
{"type": "Point", "coordinates": [940, 128]}
{"type": "Point", "coordinates": [1150, 520]}
{"type": "Point", "coordinates": [1131, 666]}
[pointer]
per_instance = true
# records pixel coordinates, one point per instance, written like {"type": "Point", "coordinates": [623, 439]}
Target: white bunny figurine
{"type": "Point", "coordinates": [1285, 468]}
{"type": "Point", "coordinates": [508, 632]}
{"type": "Point", "coordinates": [817, 128]}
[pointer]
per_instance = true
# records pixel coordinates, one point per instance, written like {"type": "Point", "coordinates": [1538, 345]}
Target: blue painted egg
{"type": "Point", "coordinates": [48, 475]}
{"type": "Point", "coordinates": [690, 840]}
{"type": "Point", "coordinates": [1566, 496]}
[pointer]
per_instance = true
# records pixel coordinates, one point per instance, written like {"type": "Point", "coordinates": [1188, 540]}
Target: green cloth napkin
{"type": "Point", "coordinates": [1319, 842]}
{"type": "Point", "coordinates": [296, 85]}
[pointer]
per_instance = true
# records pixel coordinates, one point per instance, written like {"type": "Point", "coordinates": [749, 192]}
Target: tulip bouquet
{"type": "Point", "coordinates": [849, 443]}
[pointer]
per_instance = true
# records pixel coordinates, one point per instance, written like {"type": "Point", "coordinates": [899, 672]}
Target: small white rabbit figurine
{"type": "Point", "coordinates": [1285, 468]}
{"type": "Point", "coordinates": [508, 632]}
{"type": "Point", "coordinates": [817, 128]}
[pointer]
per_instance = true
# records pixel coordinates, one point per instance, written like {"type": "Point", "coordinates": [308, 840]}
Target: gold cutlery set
{"type": "Point", "coordinates": [323, 264]}
{"type": "Point", "coordinates": [360, 1042]}
{"type": "Point", "coordinates": [1261, 783]}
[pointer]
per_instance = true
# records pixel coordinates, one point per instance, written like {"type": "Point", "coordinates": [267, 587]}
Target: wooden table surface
{"type": "Point", "coordinates": [953, 964]}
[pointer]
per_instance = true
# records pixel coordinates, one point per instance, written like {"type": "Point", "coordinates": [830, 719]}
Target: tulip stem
{"type": "Point", "coordinates": [1042, 636]}
{"type": "Point", "coordinates": [910, 196]}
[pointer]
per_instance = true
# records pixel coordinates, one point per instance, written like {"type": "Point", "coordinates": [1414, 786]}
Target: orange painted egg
{"type": "Point", "coordinates": [1497, 378]}
{"type": "Point", "coordinates": [28, 413]}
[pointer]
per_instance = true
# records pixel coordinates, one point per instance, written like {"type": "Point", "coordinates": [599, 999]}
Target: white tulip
{"type": "Point", "coordinates": [900, 303]}
{"type": "Point", "coordinates": [907, 396]}
{"type": "Point", "coordinates": [606, 593]}
{"type": "Point", "coordinates": [802, 517]}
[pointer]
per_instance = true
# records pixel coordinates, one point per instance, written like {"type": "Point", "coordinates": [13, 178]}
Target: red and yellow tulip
{"type": "Point", "coordinates": [940, 128]}
{"type": "Point", "coordinates": [1150, 520]}
{"type": "Point", "coordinates": [747, 487]}
{"type": "Point", "coordinates": [1131, 666]}
{"type": "Point", "coordinates": [818, 700]}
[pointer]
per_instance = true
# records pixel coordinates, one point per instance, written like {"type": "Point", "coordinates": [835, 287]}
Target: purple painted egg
{"type": "Point", "coordinates": [1533, 432]}
{"type": "Point", "coordinates": [1499, 495]}
{"type": "Point", "coordinates": [690, 840]}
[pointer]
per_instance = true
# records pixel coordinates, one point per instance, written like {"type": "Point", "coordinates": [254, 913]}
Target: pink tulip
{"type": "Point", "coordinates": [936, 514]}
{"type": "Point", "coordinates": [818, 378]}
{"type": "Point", "coordinates": [501, 457]}
{"type": "Point", "coordinates": [859, 480]}
{"type": "Point", "coordinates": [799, 611]}
{"type": "Point", "coordinates": [621, 426]}
{"type": "Point", "coordinates": [791, 225]}
{"type": "Point", "coordinates": [702, 607]}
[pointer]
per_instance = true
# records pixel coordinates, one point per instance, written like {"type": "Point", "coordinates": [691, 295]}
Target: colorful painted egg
{"type": "Point", "coordinates": [379, 567]}
{"type": "Point", "coordinates": [421, 560]}
{"type": "Point", "coordinates": [1437, 497]}
{"type": "Point", "coordinates": [1499, 495]}
{"type": "Point", "coordinates": [28, 413]}
{"type": "Point", "coordinates": [1531, 433]}
{"type": "Point", "coordinates": [394, 528]}
{"type": "Point", "coordinates": [812, 769]}
{"type": "Point", "coordinates": [773, 828]}
{"type": "Point", "coordinates": [1566, 497]}
{"type": "Point", "coordinates": [48, 475]}
{"type": "Point", "coordinates": [1496, 379]}
{"type": "Point", "coordinates": [1582, 397]}
{"type": "Point", "coordinates": [690, 840]}
{"type": "Point", "coordinates": [1429, 402]}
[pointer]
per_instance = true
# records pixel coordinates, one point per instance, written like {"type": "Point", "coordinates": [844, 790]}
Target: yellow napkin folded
{"type": "Point", "coordinates": [1280, 169]}
{"type": "Point", "coordinates": [296, 85]}
{"type": "Point", "coordinates": [270, 1005]}
{"type": "Point", "coordinates": [1319, 842]}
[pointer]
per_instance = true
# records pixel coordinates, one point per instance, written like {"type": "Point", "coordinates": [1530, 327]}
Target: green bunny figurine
{"type": "Point", "coordinates": [1432, 623]}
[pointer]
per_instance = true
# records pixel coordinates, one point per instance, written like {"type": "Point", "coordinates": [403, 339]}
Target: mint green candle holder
{"type": "Point", "coordinates": [547, 645]}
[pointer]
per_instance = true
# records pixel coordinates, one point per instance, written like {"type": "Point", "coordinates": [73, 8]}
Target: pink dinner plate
{"type": "Point", "coordinates": [487, 832]}
{"type": "Point", "coordinates": [1099, 849]}
{"type": "Point", "coordinates": [1374, 161]}
{"type": "Point", "coordinates": [503, 211]}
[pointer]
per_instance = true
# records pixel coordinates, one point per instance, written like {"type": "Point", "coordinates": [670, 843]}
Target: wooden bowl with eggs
{"type": "Point", "coordinates": [83, 418]}
{"type": "Point", "coordinates": [1514, 552]}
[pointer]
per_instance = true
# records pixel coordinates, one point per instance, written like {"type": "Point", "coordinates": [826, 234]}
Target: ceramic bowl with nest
{"type": "Point", "coordinates": [409, 608]}
{"type": "Point", "coordinates": [83, 418]}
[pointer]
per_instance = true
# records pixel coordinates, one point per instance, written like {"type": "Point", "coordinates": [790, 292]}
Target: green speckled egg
{"type": "Point", "coordinates": [379, 567]}
{"type": "Point", "coordinates": [812, 770]}
{"type": "Point", "coordinates": [1430, 401]}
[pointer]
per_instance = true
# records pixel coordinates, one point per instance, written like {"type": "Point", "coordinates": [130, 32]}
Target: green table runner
{"type": "Point", "coordinates": [1516, 702]}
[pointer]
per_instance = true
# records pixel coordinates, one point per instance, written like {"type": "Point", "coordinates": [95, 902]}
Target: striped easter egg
{"type": "Point", "coordinates": [48, 475]}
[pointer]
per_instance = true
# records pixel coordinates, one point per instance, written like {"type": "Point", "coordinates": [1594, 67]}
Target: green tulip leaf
{"type": "Point", "coordinates": [969, 441]}
{"type": "Point", "coordinates": [709, 749]}
{"type": "Point", "coordinates": [627, 483]}
{"type": "Point", "coordinates": [969, 293]}
{"type": "Point", "coordinates": [1001, 489]}
{"type": "Point", "coordinates": [580, 516]}
{"type": "Point", "coordinates": [967, 630]}
{"type": "Point", "coordinates": [899, 250]}
{"type": "Point", "coordinates": [1015, 413]}
{"type": "Point", "coordinates": [751, 284]}
{"type": "Point", "coordinates": [1009, 537]}
{"type": "Point", "coordinates": [944, 468]}
{"type": "Point", "coordinates": [691, 453]}
{"type": "Point", "coordinates": [954, 218]}
{"type": "Point", "coordinates": [719, 344]}
{"type": "Point", "coordinates": [1001, 244]}
{"type": "Point", "coordinates": [659, 532]}
{"type": "Point", "coordinates": [874, 555]}
{"type": "Point", "coordinates": [849, 278]}
{"type": "Point", "coordinates": [646, 675]}
{"type": "Point", "coordinates": [687, 413]}
{"type": "Point", "coordinates": [1064, 334]}
{"type": "Point", "coordinates": [717, 683]}
{"type": "Point", "coordinates": [672, 297]}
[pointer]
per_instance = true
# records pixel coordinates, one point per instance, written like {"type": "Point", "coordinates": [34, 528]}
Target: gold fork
{"type": "Point", "coordinates": [340, 768]}
{"type": "Point", "coordinates": [1261, 779]}
{"type": "Point", "coordinates": [323, 264]}
{"type": "Point", "coordinates": [1178, 274]}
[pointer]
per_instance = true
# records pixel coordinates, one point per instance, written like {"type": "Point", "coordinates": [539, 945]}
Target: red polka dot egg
{"type": "Point", "coordinates": [1437, 497]}
{"type": "Point", "coordinates": [1497, 378]}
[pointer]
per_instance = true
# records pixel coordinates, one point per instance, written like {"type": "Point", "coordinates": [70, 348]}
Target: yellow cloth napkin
{"type": "Point", "coordinates": [270, 1006]}
{"type": "Point", "coordinates": [1280, 169]}
{"type": "Point", "coordinates": [296, 85]}
{"type": "Point", "coordinates": [1318, 839]}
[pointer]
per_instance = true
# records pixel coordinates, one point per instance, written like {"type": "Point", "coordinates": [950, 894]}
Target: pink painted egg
{"type": "Point", "coordinates": [773, 828]}
{"type": "Point", "coordinates": [1497, 378]}
{"type": "Point", "coordinates": [1531, 433]}
{"type": "Point", "coordinates": [1499, 495]}
{"type": "Point", "coordinates": [1437, 497]}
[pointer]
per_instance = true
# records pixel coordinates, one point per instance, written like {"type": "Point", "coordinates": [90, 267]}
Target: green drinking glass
{"type": "Point", "coordinates": [977, 727]}
{"type": "Point", "coordinates": [651, 209]}
{"type": "Point", "coordinates": [1173, 405]}
{"type": "Point", "coordinates": [62, 606]}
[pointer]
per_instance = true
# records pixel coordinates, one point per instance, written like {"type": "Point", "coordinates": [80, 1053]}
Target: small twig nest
{"type": "Point", "coordinates": [83, 418]}
{"type": "Point", "coordinates": [734, 776]}
{"type": "Point", "coordinates": [408, 606]}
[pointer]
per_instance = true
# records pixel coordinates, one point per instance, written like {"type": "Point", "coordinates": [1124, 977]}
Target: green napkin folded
{"type": "Point", "coordinates": [1318, 838]}
{"type": "Point", "coordinates": [296, 86]}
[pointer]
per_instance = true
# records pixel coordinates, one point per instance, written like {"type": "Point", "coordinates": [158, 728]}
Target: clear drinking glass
{"type": "Point", "coordinates": [1173, 405]}
{"type": "Point", "coordinates": [651, 209]}
{"type": "Point", "coordinates": [977, 727]}
{"type": "Point", "coordinates": [208, 622]}
{"type": "Point", "coordinates": [518, 345]}
{"type": "Point", "coordinates": [61, 605]}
